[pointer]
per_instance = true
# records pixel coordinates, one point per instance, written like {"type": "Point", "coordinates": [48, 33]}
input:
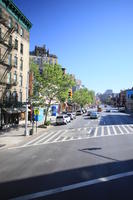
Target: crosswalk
{"type": "Point", "coordinates": [80, 133]}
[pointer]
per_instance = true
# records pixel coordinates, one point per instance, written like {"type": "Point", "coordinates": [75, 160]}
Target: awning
{"type": "Point", "coordinates": [23, 109]}
{"type": "Point", "coordinates": [12, 110]}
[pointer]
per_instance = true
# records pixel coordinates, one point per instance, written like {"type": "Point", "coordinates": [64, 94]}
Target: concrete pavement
{"type": "Point", "coordinates": [40, 168]}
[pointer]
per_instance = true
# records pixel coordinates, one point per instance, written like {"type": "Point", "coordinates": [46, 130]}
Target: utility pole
{"type": "Point", "coordinates": [26, 132]}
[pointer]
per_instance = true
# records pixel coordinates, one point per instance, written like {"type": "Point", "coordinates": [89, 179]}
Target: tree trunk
{"type": "Point", "coordinates": [46, 115]}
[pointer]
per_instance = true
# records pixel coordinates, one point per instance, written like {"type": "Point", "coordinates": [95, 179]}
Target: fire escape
{"type": "Point", "coordinates": [6, 41]}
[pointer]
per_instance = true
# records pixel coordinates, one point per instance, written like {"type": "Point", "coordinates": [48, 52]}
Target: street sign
{"type": "Point", "coordinates": [36, 111]}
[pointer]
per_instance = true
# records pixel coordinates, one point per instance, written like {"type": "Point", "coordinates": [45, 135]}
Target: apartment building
{"type": "Point", "coordinates": [41, 55]}
{"type": "Point", "coordinates": [14, 54]}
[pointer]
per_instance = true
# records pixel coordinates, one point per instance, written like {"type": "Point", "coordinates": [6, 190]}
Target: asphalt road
{"type": "Point", "coordinates": [64, 168]}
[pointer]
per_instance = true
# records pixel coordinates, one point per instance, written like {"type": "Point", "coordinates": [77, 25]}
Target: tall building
{"type": "Point", "coordinates": [41, 55]}
{"type": "Point", "coordinates": [14, 54]}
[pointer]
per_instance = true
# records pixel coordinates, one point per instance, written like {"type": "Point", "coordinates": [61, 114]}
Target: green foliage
{"type": "Point", "coordinates": [47, 123]}
{"type": "Point", "coordinates": [51, 85]}
{"type": "Point", "coordinates": [83, 97]}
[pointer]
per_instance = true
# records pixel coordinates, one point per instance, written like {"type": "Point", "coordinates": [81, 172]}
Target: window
{"type": "Point", "coordinates": [22, 32]}
{"type": "Point", "coordinates": [20, 96]}
{"type": "Point", "coordinates": [15, 96]}
{"type": "Point", "coordinates": [16, 44]}
{"type": "Point", "coordinates": [21, 80]}
{"type": "Point", "coordinates": [16, 27]}
{"type": "Point", "coordinates": [21, 48]}
{"type": "Point", "coordinates": [9, 59]}
{"type": "Point", "coordinates": [15, 60]}
{"type": "Point", "coordinates": [10, 40]}
{"type": "Point", "coordinates": [9, 77]}
{"type": "Point", "coordinates": [15, 76]}
{"type": "Point", "coordinates": [0, 34]}
{"type": "Point", "coordinates": [21, 64]}
{"type": "Point", "coordinates": [10, 22]}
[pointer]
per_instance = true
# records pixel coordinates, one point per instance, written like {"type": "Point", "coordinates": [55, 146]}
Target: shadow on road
{"type": "Point", "coordinates": [87, 150]}
{"type": "Point", "coordinates": [56, 179]}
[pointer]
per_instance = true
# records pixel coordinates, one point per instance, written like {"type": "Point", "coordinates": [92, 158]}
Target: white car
{"type": "Point", "coordinates": [72, 115]}
{"type": "Point", "coordinates": [62, 119]}
{"type": "Point", "coordinates": [79, 112]}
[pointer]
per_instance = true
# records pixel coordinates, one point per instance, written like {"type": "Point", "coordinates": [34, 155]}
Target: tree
{"type": "Point", "coordinates": [83, 97]}
{"type": "Point", "coordinates": [50, 85]}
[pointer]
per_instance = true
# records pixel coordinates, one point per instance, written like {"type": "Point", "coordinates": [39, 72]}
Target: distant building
{"type": "Point", "coordinates": [41, 55]}
{"type": "Point", "coordinates": [129, 100]}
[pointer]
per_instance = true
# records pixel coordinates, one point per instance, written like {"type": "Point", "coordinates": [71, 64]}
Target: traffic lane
{"type": "Point", "coordinates": [115, 119]}
{"type": "Point", "coordinates": [53, 166]}
{"type": "Point", "coordinates": [116, 189]}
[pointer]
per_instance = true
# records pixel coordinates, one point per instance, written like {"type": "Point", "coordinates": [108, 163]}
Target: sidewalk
{"type": "Point", "coordinates": [15, 136]}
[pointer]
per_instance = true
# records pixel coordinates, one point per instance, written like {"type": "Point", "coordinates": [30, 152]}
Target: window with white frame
{"type": "Point", "coordinates": [21, 80]}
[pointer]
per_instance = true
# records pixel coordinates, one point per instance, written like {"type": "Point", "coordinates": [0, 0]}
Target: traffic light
{"type": "Point", "coordinates": [70, 94]}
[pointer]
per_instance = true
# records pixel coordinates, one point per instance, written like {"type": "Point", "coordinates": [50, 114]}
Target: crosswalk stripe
{"type": "Point", "coordinates": [129, 128]}
{"type": "Point", "coordinates": [45, 137]}
{"type": "Point", "coordinates": [120, 129]}
{"type": "Point", "coordinates": [64, 138]}
{"type": "Point", "coordinates": [60, 135]}
{"type": "Point", "coordinates": [108, 130]}
{"type": "Point", "coordinates": [125, 128]}
{"type": "Point", "coordinates": [57, 133]}
{"type": "Point", "coordinates": [95, 133]}
{"type": "Point", "coordinates": [102, 131]}
{"type": "Point", "coordinates": [114, 130]}
{"type": "Point", "coordinates": [35, 139]}
{"type": "Point", "coordinates": [90, 131]}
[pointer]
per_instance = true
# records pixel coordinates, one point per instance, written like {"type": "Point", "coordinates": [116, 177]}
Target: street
{"type": "Point", "coordinates": [73, 161]}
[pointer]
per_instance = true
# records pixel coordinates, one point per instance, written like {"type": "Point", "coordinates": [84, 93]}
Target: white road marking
{"type": "Point", "coordinates": [120, 129]}
{"type": "Point", "coordinates": [130, 128]}
{"type": "Point", "coordinates": [61, 135]}
{"type": "Point", "coordinates": [65, 138]}
{"type": "Point", "coordinates": [102, 131]}
{"type": "Point", "coordinates": [114, 130]}
{"type": "Point", "coordinates": [125, 128]}
{"type": "Point", "coordinates": [90, 131]}
{"type": "Point", "coordinates": [45, 137]}
{"type": "Point", "coordinates": [79, 129]}
{"type": "Point", "coordinates": [73, 186]}
{"type": "Point", "coordinates": [57, 133]}
{"type": "Point", "coordinates": [85, 129]}
{"type": "Point", "coordinates": [95, 133]}
{"type": "Point", "coordinates": [108, 130]}
{"type": "Point", "coordinates": [42, 135]}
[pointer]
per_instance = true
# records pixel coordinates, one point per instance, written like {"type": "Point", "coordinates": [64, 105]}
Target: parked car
{"type": "Point", "coordinates": [94, 115]}
{"type": "Point", "coordinates": [122, 109]}
{"type": "Point", "coordinates": [99, 109]}
{"type": "Point", "coordinates": [108, 110]}
{"type": "Point", "coordinates": [71, 115]}
{"type": "Point", "coordinates": [79, 112]}
{"type": "Point", "coordinates": [89, 112]}
{"type": "Point", "coordinates": [62, 119]}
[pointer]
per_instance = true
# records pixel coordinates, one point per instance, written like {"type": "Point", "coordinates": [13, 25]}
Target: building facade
{"type": "Point", "coordinates": [129, 100]}
{"type": "Point", "coordinates": [41, 55]}
{"type": "Point", "coordinates": [14, 54]}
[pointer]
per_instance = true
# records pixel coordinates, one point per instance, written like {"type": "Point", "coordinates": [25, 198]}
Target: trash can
{"type": "Point", "coordinates": [31, 131]}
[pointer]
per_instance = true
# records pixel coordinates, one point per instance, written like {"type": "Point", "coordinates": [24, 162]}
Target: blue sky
{"type": "Point", "coordinates": [93, 39]}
